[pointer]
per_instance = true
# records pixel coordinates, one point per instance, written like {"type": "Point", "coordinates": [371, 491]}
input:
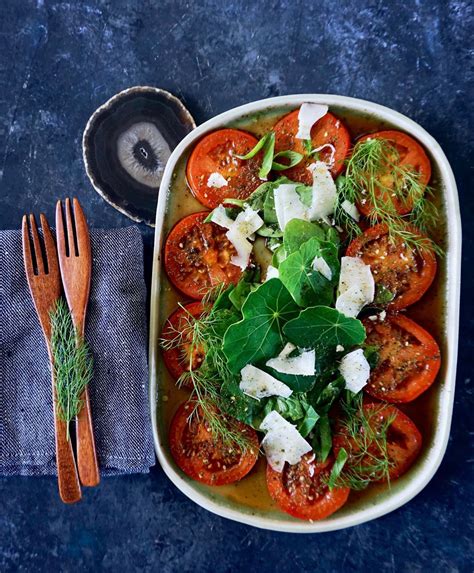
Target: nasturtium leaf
{"type": "Point", "coordinates": [324, 326]}
{"type": "Point", "coordinates": [298, 231]}
{"type": "Point", "coordinates": [260, 334]}
{"type": "Point", "coordinates": [308, 286]}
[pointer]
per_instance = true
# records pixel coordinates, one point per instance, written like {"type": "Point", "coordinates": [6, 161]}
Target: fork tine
{"type": "Point", "coordinates": [49, 246]}
{"type": "Point", "coordinates": [26, 247]}
{"type": "Point", "coordinates": [60, 237]}
{"type": "Point", "coordinates": [70, 229]}
{"type": "Point", "coordinates": [82, 232]}
{"type": "Point", "coordinates": [36, 245]}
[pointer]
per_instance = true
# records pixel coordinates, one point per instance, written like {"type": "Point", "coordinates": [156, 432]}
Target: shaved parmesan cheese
{"type": "Point", "coordinates": [355, 370]}
{"type": "Point", "coordinates": [308, 115]}
{"type": "Point", "coordinates": [247, 222]}
{"type": "Point", "coordinates": [332, 158]}
{"type": "Point", "coordinates": [350, 209]}
{"type": "Point", "coordinates": [259, 384]}
{"type": "Point", "coordinates": [324, 192]}
{"type": "Point", "coordinates": [272, 273]}
{"type": "Point", "coordinates": [220, 217]}
{"type": "Point", "coordinates": [282, 443]}
{"type": "Point", "coordinates": [300, 365]}
{"type": "Point", "coordinates": [288, 204]}
{"type": "Point", "coordinates": [240, 230]}
{"type": "Point", "coordinates": [242, 246]}
{"type": "Point", "coordinates": [216, 180]}
{"type": "Point", "coordinates": [356, 286]}
{"type": "Point", "coordinates": [339, 348]}
{"type": "Point", "coordinates": [320, 265]}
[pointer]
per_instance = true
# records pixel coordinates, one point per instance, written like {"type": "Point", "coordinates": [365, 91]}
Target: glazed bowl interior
{"type": "Point", "coordinates": [439, 399]}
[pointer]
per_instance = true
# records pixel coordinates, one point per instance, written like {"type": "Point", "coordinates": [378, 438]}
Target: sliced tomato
{"type": "Point", "coordinates": [405, 272]}
{"type": "Point", "coordinates": [197, 256]}
{"type": "Point", "coordinates": [403, 441]}
{"type": "Point", "coordinates": [329, 130]}
{"type": "Point", "coordinates": [409, 359]}
{"type": "Point", "coordinates": [301, 489]}
{"type": "Point", "coordinates": [216, 153]}
{"type": "Point", "coordinates": [201, 457]}
{"type": "Point", "coordinates": [411, 155]}
{"type": "Point", "coordinates": [180, 357]}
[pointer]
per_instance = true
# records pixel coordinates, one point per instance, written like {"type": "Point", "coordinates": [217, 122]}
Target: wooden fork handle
{"type": "Point", "coordinates": [87, 464]}
{"type": "Point", "coordinates": [68, 482]}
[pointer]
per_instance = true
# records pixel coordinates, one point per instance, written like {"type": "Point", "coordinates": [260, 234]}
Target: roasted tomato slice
{"type": "Point", "coordinates": [301, 489]}
{"type": "Point", "coordinates": [410, 155]}
{"type": "Point", "coordinates": [403, 441]}
{"type": "Point", "coordinates": [201, 457]}
{"type": "Point", "coordinates": [197, 256]}
{"type": "Point", "coordinates": [215, 154]}
{"type": "Point", "coordinates": [405, 272]}
{"type": "Point", "coordinates": [409, 359]}
{"type": "Point", "coordinates": [180, 357]}
{"type": "Point", "coordinates": [329, 130]}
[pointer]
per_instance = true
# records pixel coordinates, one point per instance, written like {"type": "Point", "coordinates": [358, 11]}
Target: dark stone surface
{"type": "Point", "coordinates": [58, 62]}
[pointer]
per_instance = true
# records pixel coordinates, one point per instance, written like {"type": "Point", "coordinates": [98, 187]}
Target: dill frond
{"type": "Point", "coordinates": [205, 334]}
{"type": "Point", "coordinates": [368, 459]}
{"type": "Point", "coordinates": [72, 363]}
{"type": "Point", "coordinates": [374, 176]}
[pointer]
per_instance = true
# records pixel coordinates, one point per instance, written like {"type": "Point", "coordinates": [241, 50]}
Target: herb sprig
{"type": "Point", "coordinates": [375, 177]}
{"type": "Point", "coordinates": [367, 458]}
{"type": "Point", "coordinates": [72, 363]}
{"type": "Point", "coordinates": [204, 334]}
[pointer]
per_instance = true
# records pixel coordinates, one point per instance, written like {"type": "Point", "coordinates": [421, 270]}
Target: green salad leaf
{"type": "Point", "coordinates": [293, 156]}
{"type": "Point", "coordinates": [262, 142]}
{"type": "Point", "coordinates": [337, 467]}
{"type": "Point", "coordinates": [296, 409]}
{"type": "Point", "coordinates": [306, 285]}
{"type": "Point", "coordinates": [322, 440]}
{"type": "Point", "coordinates": [324, 326]}
{"type": "Point", "coordinates": [259, 334]}
{"type": "Point", "coordinates": [296, 382]}
{"type": "Point", "coordinates": [298, 232]}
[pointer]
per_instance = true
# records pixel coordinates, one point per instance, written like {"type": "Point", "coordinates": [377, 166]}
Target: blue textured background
{"type": "Point", "coordinates": [58, 62]}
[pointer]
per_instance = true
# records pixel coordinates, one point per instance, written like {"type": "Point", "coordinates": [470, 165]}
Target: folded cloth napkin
{"type": "Point", "coordinates": [116, 333]}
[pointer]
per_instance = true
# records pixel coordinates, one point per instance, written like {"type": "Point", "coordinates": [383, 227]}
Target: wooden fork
{"type": "Point", "coordinates": [45, 286]}
{"type": "Point", "coordinates": [75, 261]}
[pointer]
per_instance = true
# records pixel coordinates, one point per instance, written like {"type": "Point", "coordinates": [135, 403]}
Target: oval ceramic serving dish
{"type": "Point", "coordinates": [382, 500]}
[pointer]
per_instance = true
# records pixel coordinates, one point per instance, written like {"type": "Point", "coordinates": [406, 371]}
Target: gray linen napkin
{"type": "Point", "coordinates": [116, 333]}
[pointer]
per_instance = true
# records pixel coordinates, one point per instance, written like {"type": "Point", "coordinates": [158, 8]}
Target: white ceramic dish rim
{"type": "Point", "coordinates": [446, 398]}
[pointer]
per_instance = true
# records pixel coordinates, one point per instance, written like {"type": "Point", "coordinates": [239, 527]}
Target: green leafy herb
{"type": "Point", "coordinates": [368, 457]}
{"type": "Point", "coordinates": [293, 156]}
{"type": "Point", "coordinates": [295, 409]}
{"type": "Point", "coordinates": [259, 334]}
{"type": "Point", "coordinates": [325, 326]}
{"type": "Point", "coordinates": [204, 334]}
{"type": "Point", "coordinates": [374, 176]}
{"type": "Point", "coordinates": [271, 230]}
{"type": "Point", "coordinates": [267, 145]}
{"type": "Point", "coordinates": [262, 142]}
{"type": "Point", "coordinates": [382, 295]}
{"type": "Point", "coordinates": [372, 355]}
{"type": "Point", "coordinates": [323, 444]}
{"type": "Point", "coordinates": [337, 468]}
{"type": "Point", "coordinates": [298, 232]}
{"type": "Point", "coordinates": [306, 285]}
{"type": "Point", "coordinates": [72, 363]}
